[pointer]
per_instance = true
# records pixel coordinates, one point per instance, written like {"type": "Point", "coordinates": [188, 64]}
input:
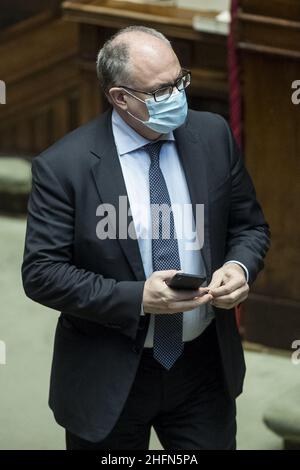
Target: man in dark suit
{"type": "Point", "coordinates": [131, 352]}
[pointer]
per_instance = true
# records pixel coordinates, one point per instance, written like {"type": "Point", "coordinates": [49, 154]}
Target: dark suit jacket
{"type": "Point", "coordinates": [97, 285]}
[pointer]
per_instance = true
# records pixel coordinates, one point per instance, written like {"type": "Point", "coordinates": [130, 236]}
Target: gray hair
{"type": "Point", "coordinates": [113, 66]}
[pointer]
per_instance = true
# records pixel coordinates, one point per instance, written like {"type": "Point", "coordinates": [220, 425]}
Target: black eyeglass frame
{"type": "Point", "coordinates": [185, 72]}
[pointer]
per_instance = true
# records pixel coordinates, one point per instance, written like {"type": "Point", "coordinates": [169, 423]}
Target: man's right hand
{"type": "Point", "coordinates": [158, 297]}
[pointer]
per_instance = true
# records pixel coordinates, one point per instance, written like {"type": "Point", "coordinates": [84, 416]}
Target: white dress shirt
{"type": "Point", "coordinates": [135, 163]}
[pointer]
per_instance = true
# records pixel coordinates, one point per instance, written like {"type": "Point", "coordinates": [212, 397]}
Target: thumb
{"type": "Point", "coordinates": [216, 280]}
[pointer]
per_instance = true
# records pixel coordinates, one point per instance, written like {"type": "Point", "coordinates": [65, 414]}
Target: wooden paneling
{"type": "Point", "coordinates": [270, 53]}
{"type": "Point", "coordinates": [42, 81]}
{"type": "Point", "coordinates": [14, 11]}
{"type": "Point", "coordinates": [280, 9]}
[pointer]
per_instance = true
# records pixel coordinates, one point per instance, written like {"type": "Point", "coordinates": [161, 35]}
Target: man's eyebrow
{"type": "Point", "coordinates": [162, 85]}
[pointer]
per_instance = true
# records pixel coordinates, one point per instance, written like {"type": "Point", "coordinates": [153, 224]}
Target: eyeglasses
{"type": "Point", "coordinates": [164, 93]}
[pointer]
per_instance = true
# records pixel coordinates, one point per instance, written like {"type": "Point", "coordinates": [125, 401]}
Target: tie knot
{"type": "Point", "coordinates": [153, 149]}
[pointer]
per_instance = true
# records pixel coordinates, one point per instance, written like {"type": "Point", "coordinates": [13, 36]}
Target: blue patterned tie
{"type": "Point", "coordinates": [167, 341]}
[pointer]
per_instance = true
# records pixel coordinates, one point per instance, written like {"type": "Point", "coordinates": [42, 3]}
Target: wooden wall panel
{"type": "Point", "coordinates": [43, 83]}
{"type": "Point", "coordinates": [270, 54]}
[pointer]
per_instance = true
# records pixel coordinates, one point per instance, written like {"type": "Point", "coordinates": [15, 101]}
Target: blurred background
{"type": "Point", "coordinates": [245, 61]}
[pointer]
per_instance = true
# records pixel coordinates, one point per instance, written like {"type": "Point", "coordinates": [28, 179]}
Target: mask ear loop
{"type": "Point", "coordinates": [137, 98]}
{"type": "Point", "coordinates": [136, 118]}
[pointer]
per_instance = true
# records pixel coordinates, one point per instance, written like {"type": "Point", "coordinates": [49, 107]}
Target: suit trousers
{"type": "Point", "coordinates": [188, 406]}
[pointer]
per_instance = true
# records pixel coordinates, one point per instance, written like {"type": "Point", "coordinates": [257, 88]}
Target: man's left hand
{"type": "Point", "coordinates": [228, 286]}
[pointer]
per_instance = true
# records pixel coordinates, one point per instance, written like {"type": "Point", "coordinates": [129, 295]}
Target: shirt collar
{"type": "Point", "coordinates": [127, 139]}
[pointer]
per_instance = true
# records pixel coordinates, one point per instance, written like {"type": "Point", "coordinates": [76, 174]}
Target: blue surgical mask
{"type": "Point", "coordinates": [164, 116]}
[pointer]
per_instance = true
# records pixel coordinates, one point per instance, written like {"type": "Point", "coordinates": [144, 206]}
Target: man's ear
{"type": "Point", "coordinates": [118, 98]}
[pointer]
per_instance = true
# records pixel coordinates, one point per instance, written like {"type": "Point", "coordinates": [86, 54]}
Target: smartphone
{"type": "Point", "coordinates": [186, 281]}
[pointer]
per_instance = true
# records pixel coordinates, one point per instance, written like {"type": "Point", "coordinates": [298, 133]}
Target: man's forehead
{"type": "Point", "coordinates": [141, 45]}
{"type": "Point", "coordinates": [156, 77]}
{"type": "Point", "coordinates": [153, 62]}
{"type": "Point", "coordinates": [155, 71]}
{"type": "Point", "coordinates": [167, 80]}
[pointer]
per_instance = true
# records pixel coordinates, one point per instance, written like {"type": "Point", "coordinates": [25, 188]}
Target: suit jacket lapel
{"type": "Point", "coordinates": [108, 177]}
{"type": "Point", "coordinates": [191, 151]}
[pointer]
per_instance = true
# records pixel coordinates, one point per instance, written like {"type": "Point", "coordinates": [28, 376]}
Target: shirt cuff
{"type": "Point", "coordinates": [242, 265]}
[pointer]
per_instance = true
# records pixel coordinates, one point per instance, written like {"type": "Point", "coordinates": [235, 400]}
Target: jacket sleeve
{"type": "Point", "coordinates": [248, 237]}
{"type": "Point", "coordinates": [48, 275]}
